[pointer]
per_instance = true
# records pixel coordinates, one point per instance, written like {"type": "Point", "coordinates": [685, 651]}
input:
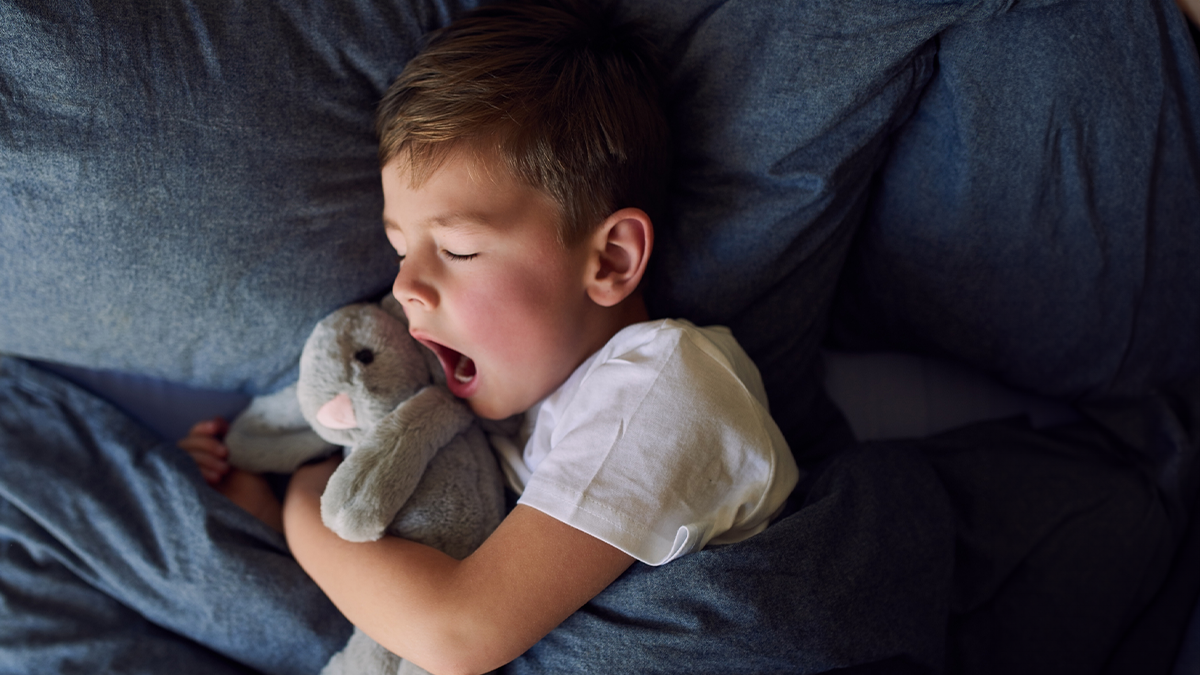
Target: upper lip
{"type": "Point", "coordinates": [420, 335]}
{"type": "Point", "coordinates": [425, 340]}
{"type": "Point", "coordinates": [444, 353]}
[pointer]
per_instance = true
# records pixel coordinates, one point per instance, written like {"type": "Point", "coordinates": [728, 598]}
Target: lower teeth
{"type": "Point", "coordinates": [464, 371]}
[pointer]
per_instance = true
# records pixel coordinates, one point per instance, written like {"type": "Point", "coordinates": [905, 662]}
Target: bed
{"type": "Point", "coordinates": [958, 238]}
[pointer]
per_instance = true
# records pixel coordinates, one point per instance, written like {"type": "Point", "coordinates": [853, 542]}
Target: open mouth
{"type": "Point", "coordinates": [464, 370]}
{"type": "Point", "coordinates": [459, 368]}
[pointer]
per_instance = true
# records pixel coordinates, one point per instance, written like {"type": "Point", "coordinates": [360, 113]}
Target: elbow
{"type": "Point", "coordinates": [455, 649]}
{"type": "Point", "coordinates": [453, 662]}
{"type": "Point", "coordinates": [455, 667]}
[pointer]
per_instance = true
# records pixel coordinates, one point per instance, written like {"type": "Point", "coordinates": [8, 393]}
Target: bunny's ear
{"type": "Point", "coordinates": [392, 306]}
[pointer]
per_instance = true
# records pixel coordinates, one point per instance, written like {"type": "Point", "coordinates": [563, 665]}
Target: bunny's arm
{"type": "Point", "coordinates": [271, 435]}
{"type": "Point", "coordinates": [379, 476]}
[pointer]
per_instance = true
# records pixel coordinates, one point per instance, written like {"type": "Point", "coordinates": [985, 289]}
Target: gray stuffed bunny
{"type": "Point", "coordinates": [418, 464]}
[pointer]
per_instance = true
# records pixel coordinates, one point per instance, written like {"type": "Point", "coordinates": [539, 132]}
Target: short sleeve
{"type": "Point", "coordinates": [661, 450]}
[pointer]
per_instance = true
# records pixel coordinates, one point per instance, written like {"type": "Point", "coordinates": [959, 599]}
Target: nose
{"type": "Point", "coordinates": [412, 289]}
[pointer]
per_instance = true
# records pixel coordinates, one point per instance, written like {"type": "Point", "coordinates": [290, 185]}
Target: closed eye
{"type": "Point", "coordinates": [458, 257]}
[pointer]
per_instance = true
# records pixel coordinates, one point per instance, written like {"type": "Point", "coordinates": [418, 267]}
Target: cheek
{"type": "Point", "coordinates": [518, 316]}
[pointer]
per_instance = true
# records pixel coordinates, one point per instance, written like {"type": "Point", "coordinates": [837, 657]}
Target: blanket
{"type": "Point", "coordinates": [921, 556]}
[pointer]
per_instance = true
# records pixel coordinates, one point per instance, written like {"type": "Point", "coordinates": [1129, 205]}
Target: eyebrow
{"type": "Point", "coordinates": [452, 221]}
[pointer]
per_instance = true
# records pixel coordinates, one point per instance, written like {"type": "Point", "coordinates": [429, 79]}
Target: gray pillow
{"type": "Point", "coordinates": [781, 113]}
{"type": "Point", "coordinates": [187, 191]}
{"type": "Point", "coordinates": [186, 188]}
{"type": "Point", "coordinates": [1039, 216]}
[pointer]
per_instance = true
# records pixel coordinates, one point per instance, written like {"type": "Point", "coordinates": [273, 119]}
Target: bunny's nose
{"type": "Point", "coordinates": [338, 413]}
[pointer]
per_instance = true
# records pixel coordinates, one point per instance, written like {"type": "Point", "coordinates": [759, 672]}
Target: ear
{"type": "Point", "coordinates": [620, 251]}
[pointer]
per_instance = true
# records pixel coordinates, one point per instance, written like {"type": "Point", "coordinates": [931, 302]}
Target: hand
{"type": "Point", "coordinates": [206, 445]}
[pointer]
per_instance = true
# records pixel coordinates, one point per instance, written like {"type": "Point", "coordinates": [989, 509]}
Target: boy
{"type": "Point", "coordinates": [523, 152]}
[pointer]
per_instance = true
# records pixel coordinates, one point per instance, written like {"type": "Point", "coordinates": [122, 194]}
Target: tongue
{"type": "Point", "coordinates": [464, 371]}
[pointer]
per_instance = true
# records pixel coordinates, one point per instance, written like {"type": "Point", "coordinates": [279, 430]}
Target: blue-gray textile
{"type": "Point", "coordinates": [1038, 550]}
{"type": "Point", "coordinates": [186, 187]}
{"type": "Point", "coordinates": [1044, 227]}
{"type": "Point", "coordinates": [140, 568]}
{"type": "Point", "coordinates": [118, 558]}
{"type": "Point", "coordinates": [1058, 543]}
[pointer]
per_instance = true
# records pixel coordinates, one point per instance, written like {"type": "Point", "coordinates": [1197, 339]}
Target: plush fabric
{"type": "Point", "coordinates": [1039, 219]}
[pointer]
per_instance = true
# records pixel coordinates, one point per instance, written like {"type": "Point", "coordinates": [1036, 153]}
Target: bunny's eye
{"type": "Point", "coordinates": [364, 356]}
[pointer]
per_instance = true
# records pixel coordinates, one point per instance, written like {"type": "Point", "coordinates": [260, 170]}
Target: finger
{"type": "Point", "coordinates": [216, 426]}
{"type": "Point", "coordinates": [201, 428]}
{"type": "Point", "coordinates": [206, 444]}
{"type": "Point", "coordinates": [213, 473]}
{"type": "Point", "coordinates": [211, 477]}
{"type": "Point", "coordinates": [207, 461]}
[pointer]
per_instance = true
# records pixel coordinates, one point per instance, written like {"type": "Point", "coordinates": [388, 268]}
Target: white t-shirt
{"type": "Point", "coordinates": [659, 444]}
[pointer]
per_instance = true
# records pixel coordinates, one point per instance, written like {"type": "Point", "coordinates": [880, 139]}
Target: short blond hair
{"type": "Point", "coordinates": [568, 98]}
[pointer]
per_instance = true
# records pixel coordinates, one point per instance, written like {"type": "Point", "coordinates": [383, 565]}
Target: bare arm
{"type": "Point", "coordinates": [451, 616]}
{"type": "Point", "coordinates": [1191, 8]}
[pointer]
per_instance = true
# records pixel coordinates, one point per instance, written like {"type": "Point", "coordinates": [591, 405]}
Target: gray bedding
{"type": "Point", "coordinates": [186, 187]}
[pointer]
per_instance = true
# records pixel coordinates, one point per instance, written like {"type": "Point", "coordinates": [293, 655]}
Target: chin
{"type": "Point", "coordinates": [488, 412]}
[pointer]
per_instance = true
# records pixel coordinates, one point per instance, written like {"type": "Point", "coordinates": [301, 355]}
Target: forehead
{"type": "Point", "coordinates": [464, 192]}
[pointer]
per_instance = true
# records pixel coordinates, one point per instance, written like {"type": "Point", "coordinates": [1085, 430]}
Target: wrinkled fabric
{"type": "Point", "coordinates": [990, 549]}
{"type": "Point", "coordinates": [1063, 540]}
{"type": "Point", "coordinates": [187, 188]}
{"type": "Point", "coordinates": [1039, 219]}
{"type": "Point", "coordinates": [118, 558]}
{"type": "Point", "coordinates": [858, 578]}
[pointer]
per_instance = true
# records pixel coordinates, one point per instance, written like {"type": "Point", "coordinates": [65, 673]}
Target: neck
{"type": "Point", "coordinates": [629, 311]}
{"type": "Point", "coordinates": [611, 320]}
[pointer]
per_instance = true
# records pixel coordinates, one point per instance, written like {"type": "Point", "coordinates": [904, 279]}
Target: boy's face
{"type": "Point", "coordinates": [486, 284]}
